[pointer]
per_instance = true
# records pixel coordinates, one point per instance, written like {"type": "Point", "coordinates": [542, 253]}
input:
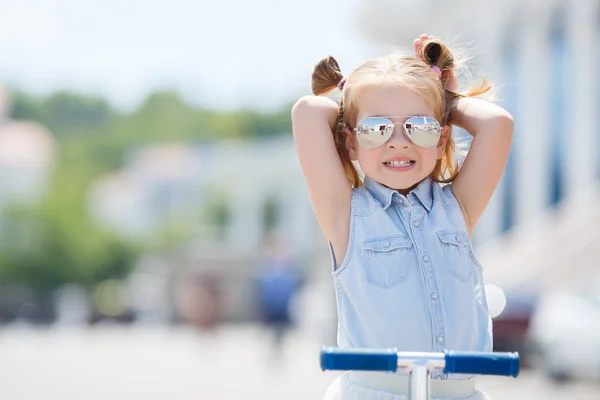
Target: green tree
{"type": "Point", "coordinates": [66, 113]}
{"type": "Point", "coordinates": [56, 241]}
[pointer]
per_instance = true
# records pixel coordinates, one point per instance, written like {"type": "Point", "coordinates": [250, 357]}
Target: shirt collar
{"type": "Point", "coordinates": [384, 195]}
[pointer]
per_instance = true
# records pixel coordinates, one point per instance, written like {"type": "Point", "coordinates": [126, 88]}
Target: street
{"type": "Point", "coordinates": [234, 362]}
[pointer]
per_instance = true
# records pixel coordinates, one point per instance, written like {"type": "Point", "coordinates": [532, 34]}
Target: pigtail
{"type": "Point", "coordinates": [326, 77]}
{"type": "Point", "coordinates": [437, 54]}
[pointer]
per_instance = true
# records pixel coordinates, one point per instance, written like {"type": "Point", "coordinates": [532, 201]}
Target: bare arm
{"type": "Point", "coordinates": [313, 119]}
{"type": "Point", "coordinates": [492, 128]}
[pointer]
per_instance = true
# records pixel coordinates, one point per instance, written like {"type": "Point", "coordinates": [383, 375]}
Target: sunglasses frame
{"type": "Point", "coordinates": [427, 120]}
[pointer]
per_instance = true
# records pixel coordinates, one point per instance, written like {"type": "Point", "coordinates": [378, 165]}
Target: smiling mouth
{"type": "Point", "coordinates": [399, 164]}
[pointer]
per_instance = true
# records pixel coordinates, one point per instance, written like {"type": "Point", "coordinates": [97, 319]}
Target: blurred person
{"type": "Point", "coordinates": [404, 269]}
{"type": "Point", "coordinates": [208, 298]}
{"type": "Point", "coordinates": [199, 301]}
{"type": "Point", "coordinates": [277, 285]}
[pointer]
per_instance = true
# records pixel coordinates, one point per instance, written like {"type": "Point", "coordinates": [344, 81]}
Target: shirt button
{"type": "Point", "coordinates": [401, 201]}
{"type": "Point", "coordinates": [386, 244]}
{"type": "Point", "coordinates": [426, 258]}
{"type": "Point", "coordinates": [459, 238]}
{"type": "Point", "coordinates": [416, 224]}
{"type": "Point", "coordinates": [434, 295]}
{"type": "Point", "coordinates": [440, 339]}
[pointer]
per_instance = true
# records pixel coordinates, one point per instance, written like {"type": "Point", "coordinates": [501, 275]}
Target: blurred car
{"type": "Point", "coordinates": [19, 304]}
{"type": "Point", "coordinates": [511, 327]}
{"type": "Point", "coordinates": [566, 331]}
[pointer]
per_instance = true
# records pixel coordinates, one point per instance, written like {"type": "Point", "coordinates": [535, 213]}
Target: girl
{"type": "Point", "coordinates": [403, 266]}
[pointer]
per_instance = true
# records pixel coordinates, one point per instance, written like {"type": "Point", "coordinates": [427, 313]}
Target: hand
{"type": "Point", "coordinates": [448, 76]}
{"type": "Point", "coordinates": [419, 43]}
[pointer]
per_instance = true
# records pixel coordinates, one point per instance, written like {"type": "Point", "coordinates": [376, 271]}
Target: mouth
{"type": "Point", "coordinates": [399, 164]}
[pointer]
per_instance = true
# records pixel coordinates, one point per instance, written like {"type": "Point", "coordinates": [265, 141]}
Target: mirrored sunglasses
{"type": "Point", "coordinates": [372, 132]}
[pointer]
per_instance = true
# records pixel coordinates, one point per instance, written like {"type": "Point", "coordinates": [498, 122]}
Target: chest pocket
{"type": "Point", "coordinates": [457, 252]}
{"type": "Point", "coordinates": [386, 260]}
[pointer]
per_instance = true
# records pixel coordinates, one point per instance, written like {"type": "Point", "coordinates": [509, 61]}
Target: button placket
{"type": "Point", "coordinates": [431, 280]}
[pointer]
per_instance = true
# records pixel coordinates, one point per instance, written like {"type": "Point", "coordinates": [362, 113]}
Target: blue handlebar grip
{"type": "Point", "coordinates": [465, 362]}
{"type": "Point", "coordinates": [336, 359]}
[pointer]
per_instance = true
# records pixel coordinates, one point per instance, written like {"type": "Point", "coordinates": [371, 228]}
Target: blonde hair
{"type": "Point", "coordinates": [412, 72]}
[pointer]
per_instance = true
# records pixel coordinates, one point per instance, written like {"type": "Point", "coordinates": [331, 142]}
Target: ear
{"type": "Point", "coordinates": [351, 144]}
{"type": "Point", "coordinates": [445, 134]}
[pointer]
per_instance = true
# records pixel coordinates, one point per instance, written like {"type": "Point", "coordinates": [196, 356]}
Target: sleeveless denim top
{"type": "Point", "coordinates": [410, 279]}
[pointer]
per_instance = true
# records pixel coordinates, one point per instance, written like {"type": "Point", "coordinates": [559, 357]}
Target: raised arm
{"type": "Point", "coordinates": [313, 119]}
{"type": "Point", "coordinates": [492, 128]}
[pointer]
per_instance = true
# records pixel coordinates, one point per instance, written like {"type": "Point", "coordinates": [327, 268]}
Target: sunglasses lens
{"type": "Point", "coordinates": [423, 131]}
{"type": "Point", "coordinates": [373, 132]}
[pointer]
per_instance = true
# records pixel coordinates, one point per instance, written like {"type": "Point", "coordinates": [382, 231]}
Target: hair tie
{"type": "Point", "coordinates": [341, 83]}
{"type": "Point", "coordinates": [437, 71]}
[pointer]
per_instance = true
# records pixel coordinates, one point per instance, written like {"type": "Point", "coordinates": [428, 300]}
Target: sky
{"type": "Point", "coordinates": [220, 54]}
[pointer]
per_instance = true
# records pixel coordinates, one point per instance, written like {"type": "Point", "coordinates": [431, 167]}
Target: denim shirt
{"type": "Point", "coordinates": [410, 279]}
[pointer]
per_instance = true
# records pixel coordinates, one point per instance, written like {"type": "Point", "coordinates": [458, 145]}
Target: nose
{"type": "Point", "coordinates": [399, 140]}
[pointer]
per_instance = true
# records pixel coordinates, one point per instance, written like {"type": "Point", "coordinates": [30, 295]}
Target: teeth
{"type": "Point", "coordinates": [399, 163]}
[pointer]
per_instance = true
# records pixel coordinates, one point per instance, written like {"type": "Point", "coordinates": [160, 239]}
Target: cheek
{"type": "Point", "coordinates": [428, 156]}
{"type": "Point", "coordinates": [367, 156]}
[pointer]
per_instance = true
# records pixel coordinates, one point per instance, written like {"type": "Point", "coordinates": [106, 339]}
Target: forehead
{"type": "Point", "coordinates": [377, 101]}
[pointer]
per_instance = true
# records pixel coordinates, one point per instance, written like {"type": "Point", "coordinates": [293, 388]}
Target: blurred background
{"type": "Point", "coordinates": [156, 235]}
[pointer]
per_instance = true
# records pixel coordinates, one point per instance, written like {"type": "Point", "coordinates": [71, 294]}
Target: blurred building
{"type": "Point", "coordinates": [27, 152]}
{"type": "Point", "coordinates": [540, 228]}
{"type": "Point", "coordinates": [157, 184]}
{"type": "Point", "coordinates": [254, 187]}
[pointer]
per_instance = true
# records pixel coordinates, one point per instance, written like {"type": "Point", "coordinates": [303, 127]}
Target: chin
{"type": "Point", "coordinates": [401, 186]}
